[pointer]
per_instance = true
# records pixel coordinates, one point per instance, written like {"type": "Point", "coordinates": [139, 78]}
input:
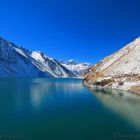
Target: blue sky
{"type": "Point", "coordinates": [85, 30]}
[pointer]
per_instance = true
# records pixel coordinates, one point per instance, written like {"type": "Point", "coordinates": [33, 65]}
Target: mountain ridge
{"type": "Point", "coordinates": [17, 61]}
{"type": "Point", "coordinates": [120, 70]}
{"type": "Point", "coordinates": [78, 68]}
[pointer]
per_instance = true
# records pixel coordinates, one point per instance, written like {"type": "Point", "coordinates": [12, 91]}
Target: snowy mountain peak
{"type": "Point", "coordinates": [19, 62]}
{"type": "Point", "coordinates": [76, 67]}
{"type": "Point", "coordinates": [72, 61]}
{"type": "Point", "coordinates": [38, 56]}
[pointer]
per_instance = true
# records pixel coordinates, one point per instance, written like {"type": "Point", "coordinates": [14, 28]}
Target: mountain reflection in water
{"type": "Point", "coordinates": [126, 104]}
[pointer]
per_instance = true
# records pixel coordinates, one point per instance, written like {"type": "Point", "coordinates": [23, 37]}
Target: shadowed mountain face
{"type": "Point", "coordinates": [120, 70]}
{"type": "Point", "coordinates": [18, 62]}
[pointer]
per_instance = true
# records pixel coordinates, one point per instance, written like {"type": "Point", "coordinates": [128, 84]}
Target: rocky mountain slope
{"type": "Point", "coordinates": [78, 68]}
{"type": "Point", "coordinates": [18, 62]}
{"type": "Point", "coordinates": [120, 70]}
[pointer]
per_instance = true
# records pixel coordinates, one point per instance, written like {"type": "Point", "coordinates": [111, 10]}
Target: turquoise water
{"type": "Point", "coordinates": [63, 109]}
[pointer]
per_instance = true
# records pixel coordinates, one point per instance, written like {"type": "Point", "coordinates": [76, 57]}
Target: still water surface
{"type": "Point", "coordinates": [63, 109]}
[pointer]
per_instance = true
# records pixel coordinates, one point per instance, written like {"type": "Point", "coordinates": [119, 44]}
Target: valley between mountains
{"type": "Point", "coordinates": [121, 70]}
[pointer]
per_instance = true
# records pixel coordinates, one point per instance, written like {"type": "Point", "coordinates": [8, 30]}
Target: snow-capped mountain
{"type": "Point", "coordinates": [51, 65]}
{"type": "Point", "coordinates": [78, 68]}
{"type": "Point", "coordinates": [120, 70]}
{"type": "Point", "coordinates": [18, 62]}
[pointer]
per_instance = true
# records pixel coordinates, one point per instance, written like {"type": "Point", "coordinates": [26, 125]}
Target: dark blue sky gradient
{"type": "Point", "coordinates": [86, 30]}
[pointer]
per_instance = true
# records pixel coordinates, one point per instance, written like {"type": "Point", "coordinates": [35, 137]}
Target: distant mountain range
{"type": "Point", "coordinates": [120, 70]}
{"type": "Point", "coordinates": [76, 67]}
{"type": "Point", "coordinates": [17, 61]}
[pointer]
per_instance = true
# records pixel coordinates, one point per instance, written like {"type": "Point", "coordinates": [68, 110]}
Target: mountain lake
{"type": "Point", "coordinates": [64, 109]}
